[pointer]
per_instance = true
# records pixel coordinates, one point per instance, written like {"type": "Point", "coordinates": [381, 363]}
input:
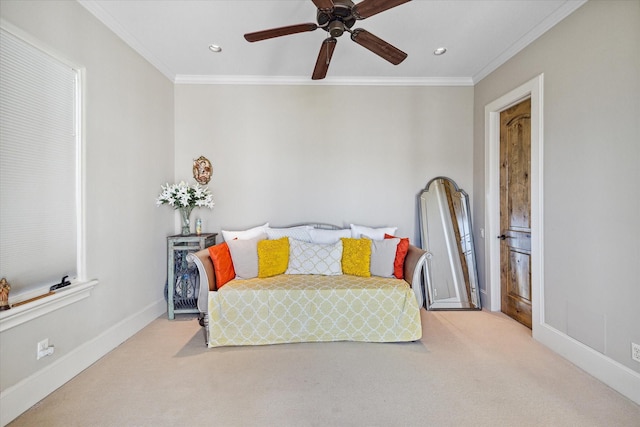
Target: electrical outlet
{"type": "Point", "coordinates": [635, 351]}
{"type": "Point", "coordinates": [44, 349]}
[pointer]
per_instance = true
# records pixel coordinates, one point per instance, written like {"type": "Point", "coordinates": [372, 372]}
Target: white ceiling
{"type": "Point", "coordinates": [479, 36]}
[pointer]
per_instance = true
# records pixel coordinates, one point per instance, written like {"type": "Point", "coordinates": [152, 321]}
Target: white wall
{"type": "Point", "coordinates": [129, 153]}
{"type": "Point", "coordinates": [336, 154]}
{"type": "Point", "coordinates": [345, 154]}
{"type": "Point", "coordinates": [591, 66]}
{"type": "Point", "coordinates": [283, 154]}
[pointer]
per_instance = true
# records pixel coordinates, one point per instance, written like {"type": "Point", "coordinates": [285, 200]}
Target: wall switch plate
{"type": "Point", "coordinates": [635, 351]}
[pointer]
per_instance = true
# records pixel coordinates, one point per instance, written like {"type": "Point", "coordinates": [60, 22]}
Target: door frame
{"type": "Point", "coordinates": [532, 89]}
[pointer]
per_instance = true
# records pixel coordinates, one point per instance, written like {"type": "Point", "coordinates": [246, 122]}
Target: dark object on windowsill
{"type": "Point", "coordinates": [64, 282]}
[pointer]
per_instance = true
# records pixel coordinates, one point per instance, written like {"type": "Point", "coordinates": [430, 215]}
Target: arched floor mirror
{"type": "Point", "coordinates": [451, 277]}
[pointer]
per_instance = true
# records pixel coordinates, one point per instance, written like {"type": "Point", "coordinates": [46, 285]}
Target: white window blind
{"type": "Point", "coordinates": [39, 164]}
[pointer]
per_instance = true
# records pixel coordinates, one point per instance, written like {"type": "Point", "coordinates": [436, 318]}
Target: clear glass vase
{"type": "Point", "coordinates": [185, 213]}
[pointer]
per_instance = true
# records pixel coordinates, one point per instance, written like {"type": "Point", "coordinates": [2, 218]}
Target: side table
{"type": "Point", "coordinates": [183, 281]}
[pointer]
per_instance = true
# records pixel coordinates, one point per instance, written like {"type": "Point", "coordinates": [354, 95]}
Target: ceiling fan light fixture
{"type": "Point", "coordinates": [336, 28]}
{"type": "Point", "coordinates": [215, 48]}
{"type": "Point", "coordinates": [440, 51]}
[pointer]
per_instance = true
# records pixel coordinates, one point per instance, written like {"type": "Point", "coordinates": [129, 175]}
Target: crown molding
{"type": "Point", "coordinates": [112, 24]}
{"type": "Point", "coordinates": [554, 18]}
{"type": "Point", "coordinates": [337, 81]}
{"type": "Point", "coordinates": [558, 15]}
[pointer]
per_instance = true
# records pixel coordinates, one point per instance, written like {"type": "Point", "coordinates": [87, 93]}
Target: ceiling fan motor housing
{"type": "Point", "coordinates": [335, 20]}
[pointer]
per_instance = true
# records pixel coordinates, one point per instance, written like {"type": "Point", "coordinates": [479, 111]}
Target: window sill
{"type": "Point", "coordinates": [32, 310]}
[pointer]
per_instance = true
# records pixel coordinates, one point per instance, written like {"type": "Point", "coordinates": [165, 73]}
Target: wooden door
{"type": "Point", "coordinates": [515, 212]}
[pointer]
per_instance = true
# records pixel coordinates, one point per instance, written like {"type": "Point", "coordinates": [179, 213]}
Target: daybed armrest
{"type": "Point", "coordinates": [413, 268]}
{"type": "Point", "coordinates": [207, 276]}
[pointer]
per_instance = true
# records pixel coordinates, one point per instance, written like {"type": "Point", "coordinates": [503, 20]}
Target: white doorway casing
{"type": "Point", "coordinates": [532, 89]}
{"type": "Point", "coordinates": [612, 373]}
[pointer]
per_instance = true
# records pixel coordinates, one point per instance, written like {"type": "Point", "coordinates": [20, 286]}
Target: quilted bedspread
{"type": "Point", "coordinates": [311, 308]}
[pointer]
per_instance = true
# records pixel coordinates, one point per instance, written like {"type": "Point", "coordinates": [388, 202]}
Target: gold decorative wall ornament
{"type": "Point", "coordinates": [202, 170]}
{"type": "Point", "coordinates": [4, 294]}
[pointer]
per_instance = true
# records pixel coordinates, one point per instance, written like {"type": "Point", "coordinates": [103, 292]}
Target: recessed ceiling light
{"type": "Point", "coordinates": [215, 48]}
{"type": "Point", "coordinates": [440, 51]}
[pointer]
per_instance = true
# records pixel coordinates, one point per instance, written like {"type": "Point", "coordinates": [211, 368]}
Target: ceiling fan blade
{"type": "Point", "coordinates": [280, 31]}
{"type": "Point", "coordinates": [324, 58]}
{"type": "Point", "coordinates": [323, 4]}
{"type": "Point", "coordinates": [378, 46]}
{"type": "Point", "coordinates": [367, 8]}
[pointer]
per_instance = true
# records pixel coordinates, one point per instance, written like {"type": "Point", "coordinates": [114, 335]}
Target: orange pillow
{"type": "Point", "coordinates": [401, 254]}
{"type": "Point", "coordinates": [222, 264]}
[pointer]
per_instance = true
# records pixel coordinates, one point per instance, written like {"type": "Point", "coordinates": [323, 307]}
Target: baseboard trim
{"type": "Point", "coordinates": [614, 374]}
{"type": "Point", "coordinates": [18, 398]}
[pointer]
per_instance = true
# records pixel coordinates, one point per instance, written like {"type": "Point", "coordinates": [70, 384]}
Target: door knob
{"type": "Point", "coordinates": [502, 237]}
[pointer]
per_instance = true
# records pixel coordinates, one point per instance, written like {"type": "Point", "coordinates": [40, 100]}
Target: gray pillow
{"type": "Point", "coordinates": [244, 254]}
{"type": "Point", "coordinates": [383, 255]}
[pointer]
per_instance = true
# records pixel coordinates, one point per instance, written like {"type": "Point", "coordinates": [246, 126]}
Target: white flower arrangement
{"type": "Point", "coordinates": [184, 196]}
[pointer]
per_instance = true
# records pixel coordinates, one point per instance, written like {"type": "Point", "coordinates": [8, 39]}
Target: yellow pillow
{"type": "Point", "coordinates": [273, 257]}
{"type": "Point", "coordinates": [356, 256]}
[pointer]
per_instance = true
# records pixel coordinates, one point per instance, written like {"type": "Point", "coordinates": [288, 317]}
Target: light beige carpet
{"type": "Point", "coordinates": [470, 368]}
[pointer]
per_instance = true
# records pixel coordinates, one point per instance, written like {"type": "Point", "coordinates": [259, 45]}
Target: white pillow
{"type": "Point", "coordinates": [319, 235]}
{"type": "Point", "coordinates": [299, 233]}
{"type": "Point", "coordinates": [383, 256]}
{"type": "Point", "coordinates": [314, 258]}
{"type": "Point", "coordinates": [244, 234]}
{"type": "Point", "coordinates": [374, 233]}
{"type": "Point", "coordinates": [244, 254]}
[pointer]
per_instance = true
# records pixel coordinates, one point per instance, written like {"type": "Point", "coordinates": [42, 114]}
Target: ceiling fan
{"type": "Point", "coordinates": [336, 17]}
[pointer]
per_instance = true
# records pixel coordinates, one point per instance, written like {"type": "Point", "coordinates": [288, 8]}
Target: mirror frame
{"type": "Point", "coordinates": [473, 302]}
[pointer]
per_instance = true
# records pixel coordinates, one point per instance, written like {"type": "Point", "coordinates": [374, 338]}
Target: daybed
{"type": "Point", "coordinates": [298, 307]}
